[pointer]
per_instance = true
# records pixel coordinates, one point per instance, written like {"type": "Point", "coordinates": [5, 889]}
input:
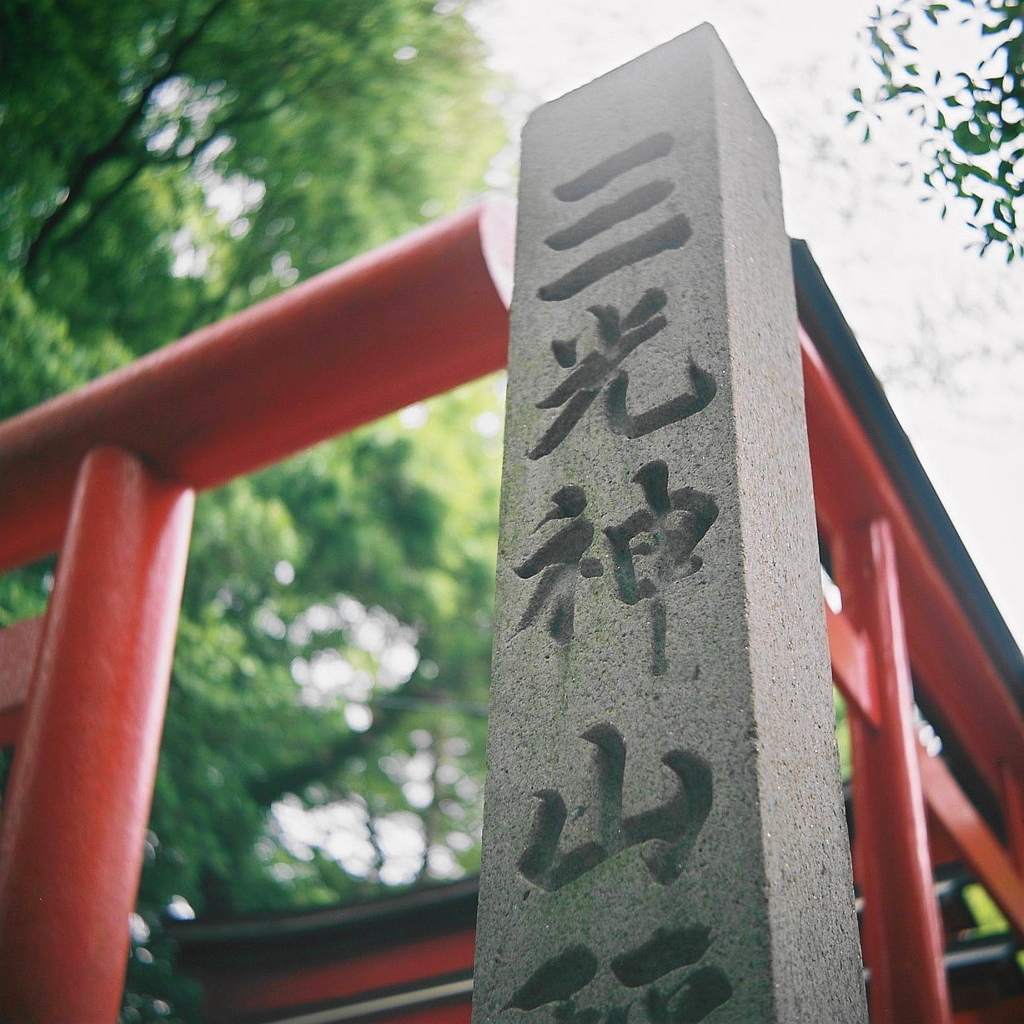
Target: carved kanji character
{"type": "Point", "coordinates": [560, 563]}
{"type": "Point", "coordinates": [671, 233]}
{"type": "Point", "coordinates": [669, 528]}
{"type": "Point", "coordinates": [665, 833]}
{"type": "Point", "coordinates": [618, 337]}
{"type": "Point", "coordinates": [691, 995]}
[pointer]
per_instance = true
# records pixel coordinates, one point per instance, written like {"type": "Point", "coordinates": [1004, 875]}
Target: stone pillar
{"type": "Point", "coordinates": [664, 836]}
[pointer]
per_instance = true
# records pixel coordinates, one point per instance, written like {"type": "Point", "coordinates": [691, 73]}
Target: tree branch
{"type": "Point", "coordinates": [116, 144]}
{"type": "Point", "coordinates": [103, 202]}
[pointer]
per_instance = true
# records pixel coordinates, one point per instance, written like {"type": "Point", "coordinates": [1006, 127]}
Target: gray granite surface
{"type": "Point", "coordinates": [664, 836]}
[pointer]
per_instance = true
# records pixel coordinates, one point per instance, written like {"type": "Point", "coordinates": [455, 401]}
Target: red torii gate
{"type": "Point", "coordinates": [108, 474]}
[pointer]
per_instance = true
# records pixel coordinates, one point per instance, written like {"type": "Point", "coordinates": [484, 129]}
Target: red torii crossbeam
{"type": "Point", "coordinates": [411, 319]}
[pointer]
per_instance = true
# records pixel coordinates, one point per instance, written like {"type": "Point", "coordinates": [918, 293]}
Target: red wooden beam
{"type": "Point", "coordinates": [902, 935]}
{"type": "Point", "coordinates": [238, 993]}
{"type": "Point", "coordinates": [979, 848]}
{"type": "Point", "coordinates": [852, 666]}
{"type": "Point", "coordinates": [406, 321]}
{"type": "Point", "coordinates": [1013, 814]}
{"type": "Point", "coordinates": [74, 816]}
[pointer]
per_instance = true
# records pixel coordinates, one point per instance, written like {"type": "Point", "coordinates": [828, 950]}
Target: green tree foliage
{"type": "Point", "coordinates": [163, 164]}
{"type": "Point", "coordinates": [973, 116]}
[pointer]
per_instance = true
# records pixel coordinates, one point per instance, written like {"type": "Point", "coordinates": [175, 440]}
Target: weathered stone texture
{"type": "Point", "coordinates": [664, 836]}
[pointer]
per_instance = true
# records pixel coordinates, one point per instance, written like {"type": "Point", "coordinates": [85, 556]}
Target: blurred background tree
{"type": "Point", "coordinates": [164, 163]}
{"type": "Point", "coordinates": [958, 70]}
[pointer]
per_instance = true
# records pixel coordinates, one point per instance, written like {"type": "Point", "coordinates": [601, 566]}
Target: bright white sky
{"type": "Point", "coordinates": [943, 329]}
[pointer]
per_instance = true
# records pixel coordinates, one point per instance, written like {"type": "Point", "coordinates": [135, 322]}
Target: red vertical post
{"type": "Point", "coordinates": [78, 799]}
{"type": "Point", "coordinates": [902, 936]}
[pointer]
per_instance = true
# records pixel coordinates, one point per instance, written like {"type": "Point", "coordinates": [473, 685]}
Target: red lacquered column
{"type": "Point", "coordinates": [902, 935]}
{"type": "Point", "coordinates": [79, 795]}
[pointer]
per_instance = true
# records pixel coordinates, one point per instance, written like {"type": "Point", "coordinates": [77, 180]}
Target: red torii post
{"type": "Point", "coordinates": [79, 795]}
{"type": "Point", "coordinates": [112, 469]}
{"type": "Point", "coordinates": [900, 612]}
